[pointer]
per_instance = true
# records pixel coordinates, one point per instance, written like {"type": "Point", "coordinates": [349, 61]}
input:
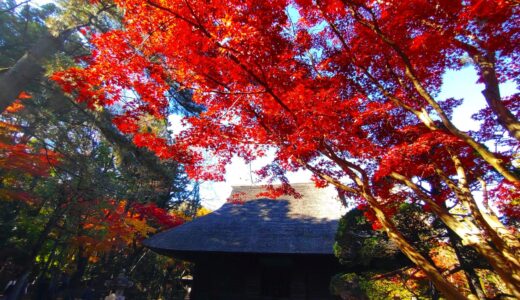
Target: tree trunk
{"type": "Point", "coordinates": [469, 272]}
{"type": "Point", "coordinates": [103, 121]}
{"type": "Point", "coordinates": [491, 92]}
{"type": "Point", "coordinates": [35, 249]}
{"type": "Point", "coordinates": [505, 245]}
{"type": "Point", "coordinates": [27, 69]}
{"type": "Point", "coordinates": [471, 235]}
{"type": "Point", "coordinates": [445, 287]}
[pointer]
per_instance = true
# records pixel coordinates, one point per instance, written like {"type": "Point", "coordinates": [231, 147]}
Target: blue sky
{"type": "Point", "coordinates": [462, 84]}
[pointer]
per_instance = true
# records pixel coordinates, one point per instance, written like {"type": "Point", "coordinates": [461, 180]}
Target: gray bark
{"type": "Point", "coordinates": [27, 69]}
{"type": "Point", "coordinates": [103, 121]}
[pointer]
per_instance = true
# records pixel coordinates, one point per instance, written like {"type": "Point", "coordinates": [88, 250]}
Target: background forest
{"type": "Point", "coordinates": [345, 89]}
{"type": "Point", "coordinates": [76, 195]}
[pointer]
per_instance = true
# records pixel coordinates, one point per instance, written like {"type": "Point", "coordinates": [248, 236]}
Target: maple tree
{"type": "Point", "coordinates": [117, 227]}
{"type": "Point", "coordinates": [344, 88]}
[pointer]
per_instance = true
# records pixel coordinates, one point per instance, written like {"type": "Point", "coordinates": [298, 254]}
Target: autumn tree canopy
{"type": "Point", "coordinates": [347, 89]}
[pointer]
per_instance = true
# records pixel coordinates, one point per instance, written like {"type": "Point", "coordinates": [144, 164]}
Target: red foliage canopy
{"type": "Point", "coordinates": [304, 77]}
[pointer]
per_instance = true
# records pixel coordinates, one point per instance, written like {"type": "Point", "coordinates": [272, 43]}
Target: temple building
{"type": "Point", "coordinates": [261, 248]}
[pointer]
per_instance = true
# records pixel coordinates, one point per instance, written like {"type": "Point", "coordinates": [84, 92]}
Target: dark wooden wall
{"type": "Point", "coordinates": [263, 277]}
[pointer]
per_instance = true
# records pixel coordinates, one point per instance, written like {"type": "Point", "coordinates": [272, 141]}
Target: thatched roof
{"type": "Point", "coordinates": [283, 226]}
